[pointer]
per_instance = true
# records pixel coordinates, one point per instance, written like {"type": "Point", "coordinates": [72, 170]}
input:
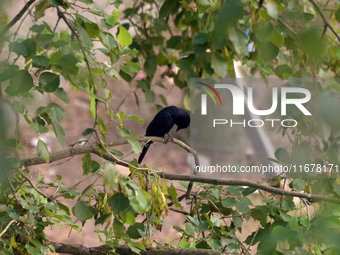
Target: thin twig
{"type": "Point", "coordinates": [92, 84]}
{"type": "Point", "coordinates": [71, 188]}
{"type": "Point", "coordinates": [6, 228]}
{"type": "Point", "coordinates": [32, 185]}
{"type": "Point", "coordinates": [179, 211]}
{"type": "Point", "coordinates": [324, 18]}
{"type": "Point", "coordinates": [82, 150]}
{"type": "Point", "coordinates": [16, 18]}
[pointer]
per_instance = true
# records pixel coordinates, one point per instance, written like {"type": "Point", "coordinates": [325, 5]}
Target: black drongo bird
{"type": "Point", "coordinates": [163, 122]}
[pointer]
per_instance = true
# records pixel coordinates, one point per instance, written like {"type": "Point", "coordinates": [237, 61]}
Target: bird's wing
{"type": "Point", "coordinates": [160, 125]}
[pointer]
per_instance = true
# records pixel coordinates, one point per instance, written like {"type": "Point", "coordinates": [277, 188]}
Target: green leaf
{"type": "Point", "coordinates": [276, 38]}
{"type": "Point", "coordinates": [40, 61]}
{"type": "Point", "coordinates": [301, 153]}
{"type": "Point", "coordinates": [150, 96]}
{"type": "Point", "coordinates": [42, 151]}
{"type": "Point", "coordinates": [281, 233]}
{"type": "Point", "coordinates": [282, 155]}
{"type": "Point", "coordinates": [234, 246]}
{"type": "Point", "coordinates": [62, 95]}
{"type": "Point", "coordinates": [334, 85]}
{"type": "Point", "coordinates": [263, 30]}
{"type": "Point", "coordinates": [219, 64]}
{"type": "Point", "coordinates": [82, 211]}
{"type": "Point", "coordinates": [115, 152]}
{"type": "Point", "coordinates": [184, 243]}
{"type": "Point", "coordinates": [124, 37]}
{"type": "Point", "coordinates": [31, 46]}
{"type": "Point", "coordinates": [239, 40]}
{"type": "Point", "coordinates": [87, 131]}
{"type": "Point", "coordinates": [268, 50]}
{"type": "Point", "coordinates": [293, 223]}
{"type": "Point", "coordinates": [135, 66]}
{"type": "Point", "coordinates": [266, 246]}
{"type": "Point", "coordinates": [242, 207]}
{"type": "Point", "coordinates": [37, 28]}
{"type": "Point", "coordinates": [214, 243]}
{"type": "Point", "coordinates": [32, 249]}
{"type": "Point", "coordinates": [102, 219]}
{"type": "Point", "coordinates": [163, 99]}
{"type": "Point", "coordinates": [40, 9]}
{"type": "Point", "coordinates": [135, 230]}
{"type": "Point", "coordinates": [166, 8]}
{"type": "Point", "coordinates": [68, 64]}
{"type": "Point", "coordinates": [21, 83]}
{"type": "Point", "coordinates": [112, 20]}
{"type": "Point", "coordinates": [94, 166]}
{"type": "Point", "coordinates": [272, 9]}
{"type": "Point", "coordinates": [231, 11]}
{"type": "Point", "coordinates": [187, 62]}
{"type": "Point", "coordinates": [173, 42]}
{"type": "Point", "coordinates": [337, 15]}
{"type": "Point", "coordinates": [110, 70]}
{"type": "Point", "coordinates": [19, 48]}
{"type": "Point", "coordinates": [102, 127]}
{"type": "Point", "coordinates": [283, 71]}
{"type": "Point", "coordinates": [38, 128]}
{"type": "Point", "coordinates": [44, 40]}
{"type": "Point", "coordinates": [51, 206]}
{"type": "Point", "coordinates": [84, 36]}
{"type": "Point", "coordinates": [57, 112]}
{"type": "Point", "coordinates": [49, 81]}
{"type": "Point", "coordinates": [228, 202]}
{"type": "Point", "coordinates": [285, 216]}
{"type": "Point", "coordinates": [150, 66]}
{"type": "Point", "coordinates": [119, 203]}
{"type": "Point", "coordinates": [306, 222]}
{"type": "Point", "coordinates": [200, 38]}
{"type": "Point", "coordinates": [298, 184]}
{"type": "Point", "coordinates": [288, 205]}
{"type": "Point", "coordinates": [130, 218]}
{"type": "Point", "coordinates": [135, 146]}
{"type": "Point", "coordinates": [131, 117]}
{"type": "Point", "coordinates": [312, 43]}
{"type": "Point", "coordinates": [86, 163]}
{"type": "Point", "coordinates": [110, 175]}
{"type": "Point", "coordinates": [108, 40]}
{"type": "Point", "coordinates": [118, 228]}
{"type": "Point", "coordinates": [57, 3]}
{"type": "Point", "coordinates": [128, 69]}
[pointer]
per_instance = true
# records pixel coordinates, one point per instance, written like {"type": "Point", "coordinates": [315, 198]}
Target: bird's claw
{"type": "Point", "coordinates": [167, 138]}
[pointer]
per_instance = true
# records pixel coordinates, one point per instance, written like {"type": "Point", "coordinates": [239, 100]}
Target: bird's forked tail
{"type": "Point", "coordinates": [144, 151]}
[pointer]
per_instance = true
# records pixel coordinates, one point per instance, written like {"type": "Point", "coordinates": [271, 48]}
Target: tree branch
{"type": "Point", "coordinates": [91, 148]}
{"type": "Point", "coordinates": [124, 249]}
{"type": "Point", "coordinates": [324, 18]}
{"type": "Point", "coordinates": [16, 18]}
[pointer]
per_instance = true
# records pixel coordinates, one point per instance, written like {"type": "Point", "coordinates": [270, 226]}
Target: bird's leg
{"type": "Point", "coordinates": [165, 139]}
{"type": "Point", "coordinates": [169, 138]}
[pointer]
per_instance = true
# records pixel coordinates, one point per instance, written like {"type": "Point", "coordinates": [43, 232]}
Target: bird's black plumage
{"type": "Point", "coordinates": [163, 122]}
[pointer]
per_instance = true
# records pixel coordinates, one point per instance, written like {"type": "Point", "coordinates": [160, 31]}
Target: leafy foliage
{"type": "Point", "coordinates": [191, 39]}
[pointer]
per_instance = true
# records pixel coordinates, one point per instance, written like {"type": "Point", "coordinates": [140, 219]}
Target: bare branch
{"type": "Point", "coordinates": [324, 18]}
{"type": "Point", "coordinates": [124, 249]}
{"type": "Point", "coordinates": [16, 18]}
{"type": "Point", "coordinates": [6, 228]}
{"type": "Point", "coordinates": [91, 148]}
